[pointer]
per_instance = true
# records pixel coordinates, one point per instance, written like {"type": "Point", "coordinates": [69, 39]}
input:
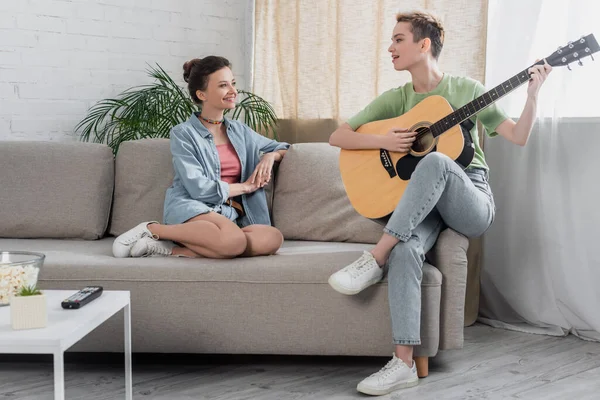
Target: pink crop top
{"type": "Point", "coordinates": [231, 169]}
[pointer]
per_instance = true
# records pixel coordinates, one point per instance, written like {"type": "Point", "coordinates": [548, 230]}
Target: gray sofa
{"type": "Point", "coordinates": [69, 200]}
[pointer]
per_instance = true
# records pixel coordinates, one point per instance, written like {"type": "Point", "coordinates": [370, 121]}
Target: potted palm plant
{"type": "Point", "coordinates": [150, 111]}
{"type": "Point", "coordinates": [28, 308]}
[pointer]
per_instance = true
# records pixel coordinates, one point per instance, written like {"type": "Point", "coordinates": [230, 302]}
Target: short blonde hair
{"type": "Point", "coordinates": [425, 25]}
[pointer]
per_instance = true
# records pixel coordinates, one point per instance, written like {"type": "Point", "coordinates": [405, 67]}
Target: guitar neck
{"type": "Point", "coordinates": [480, 103]}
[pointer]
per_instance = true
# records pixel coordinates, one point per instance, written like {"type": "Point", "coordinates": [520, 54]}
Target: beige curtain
{"type": "Point", "coordinates": [320, 62]}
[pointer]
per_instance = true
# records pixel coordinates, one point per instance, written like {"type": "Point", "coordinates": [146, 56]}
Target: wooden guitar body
{"type": "Point", "coordinates": [371, 190]}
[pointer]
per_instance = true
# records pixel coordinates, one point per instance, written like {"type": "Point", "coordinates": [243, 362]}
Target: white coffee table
{"type": "Point", "coordinates": [64, 329]}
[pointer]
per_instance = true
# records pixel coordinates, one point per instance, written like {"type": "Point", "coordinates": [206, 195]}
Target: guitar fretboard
{"type": "Point", "coordinates": [480, 103]}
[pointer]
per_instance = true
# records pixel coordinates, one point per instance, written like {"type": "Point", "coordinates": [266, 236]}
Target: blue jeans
{"type": "Point", "coordinates": [440, 194]}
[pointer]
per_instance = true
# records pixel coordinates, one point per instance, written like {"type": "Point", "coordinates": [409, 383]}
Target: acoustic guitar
{"type": "Point", "coordinates": [375, 180]}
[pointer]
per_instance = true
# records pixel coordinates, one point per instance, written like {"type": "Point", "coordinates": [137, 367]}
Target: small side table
{"type": "Point", "coordinates": [64, 329]}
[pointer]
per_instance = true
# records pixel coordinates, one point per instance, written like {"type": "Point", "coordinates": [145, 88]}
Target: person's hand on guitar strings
{"type": "Point", "coordinates": [399, 140]}
{"type": "Point", "coordinates": [538, 74]}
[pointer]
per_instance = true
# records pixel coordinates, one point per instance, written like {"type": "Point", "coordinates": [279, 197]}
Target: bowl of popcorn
{"type": "Point", "coordinates": [18, 269]}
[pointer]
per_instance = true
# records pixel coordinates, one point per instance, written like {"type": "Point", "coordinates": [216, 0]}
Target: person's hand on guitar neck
{"type": "Point", "coordinates": [538, 73]}
{"type": "Point", "coordinates": [399, 140]}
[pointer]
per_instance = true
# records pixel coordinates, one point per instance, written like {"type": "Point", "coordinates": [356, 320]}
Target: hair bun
{"type": "Point", "coordinates": [187, 68]}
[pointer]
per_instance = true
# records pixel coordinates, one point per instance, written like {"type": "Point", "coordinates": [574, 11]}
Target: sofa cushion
{"type": "Point", "coordinates": [310, 202]}
{"type": "Point", "coordinates": [55, 190]}
{"type": "Point", "coordinates": [143, 173]}
{"type": "Point", "coordinates": [298, 262]}
{"type": "Point", "coordinates": [279, 304]}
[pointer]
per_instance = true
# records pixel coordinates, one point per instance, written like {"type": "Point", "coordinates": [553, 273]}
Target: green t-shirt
{"type": "Point", "coordinates": [457, 90]}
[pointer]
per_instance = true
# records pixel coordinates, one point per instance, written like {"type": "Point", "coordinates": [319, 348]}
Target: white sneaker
{"type": "Point", "coordinates": [357, 276]}
{"type": "Point", "coordinates": [395, 375]}
{"type": "Point", "coordinates": [149, 247]}
{"type": "Point", "coordinates": [123, 243]}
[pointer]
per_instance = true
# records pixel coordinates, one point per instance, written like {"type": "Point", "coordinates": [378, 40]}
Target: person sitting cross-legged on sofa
{"type": "Point", "coordinates": [216, 206]}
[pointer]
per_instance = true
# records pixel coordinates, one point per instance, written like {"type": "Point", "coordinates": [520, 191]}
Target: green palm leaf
{"type": "Point", "coordinates": [258, 114]}
{"type": "Point", "coordinates": [150, 111]}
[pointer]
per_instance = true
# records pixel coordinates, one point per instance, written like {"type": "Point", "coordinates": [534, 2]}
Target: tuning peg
{"type": "Point", "coordinates": [569, 67]}
{"type": "Point", "coordinates": [592, 57]}
{"type": "Point", "coordinates": [580, 63]}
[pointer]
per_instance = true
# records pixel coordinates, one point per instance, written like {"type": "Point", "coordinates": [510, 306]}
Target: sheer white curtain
{"type": "Point", "coordinates": [318, 60]}
{"type": "Point", "coordinates": [541, 265]}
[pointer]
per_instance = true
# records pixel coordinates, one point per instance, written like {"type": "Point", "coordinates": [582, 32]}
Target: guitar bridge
{"type": "Point", "coordinates": [386, 161]}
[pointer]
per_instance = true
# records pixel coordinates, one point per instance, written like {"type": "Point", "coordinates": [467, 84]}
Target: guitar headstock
{"type": "Point", "coordinates": [573, 51]}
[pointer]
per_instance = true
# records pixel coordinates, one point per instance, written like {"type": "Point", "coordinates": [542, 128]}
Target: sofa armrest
{"type": "Point", "coordinates": [449, 256]}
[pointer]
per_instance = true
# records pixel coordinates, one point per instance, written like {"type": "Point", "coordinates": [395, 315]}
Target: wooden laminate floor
{"type": "Point", "coordinates": [494, 364]}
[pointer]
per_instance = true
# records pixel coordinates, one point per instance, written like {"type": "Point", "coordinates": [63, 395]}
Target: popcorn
{"type": "Point", "coordinates": [13, 278]}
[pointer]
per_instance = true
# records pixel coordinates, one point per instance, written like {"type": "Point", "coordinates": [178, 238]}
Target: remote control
{"type": "Point", "coordinates": [82, 297]}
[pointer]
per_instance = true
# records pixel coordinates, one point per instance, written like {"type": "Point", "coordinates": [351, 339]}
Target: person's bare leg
{"type": "Point", "coordinates": [185, 252]}
{"type": "Point", "coordinates": [383, 248]}
{"type": "Point", "coordinates": [262, 240]}
{"type": "Point", "coordinates": [199, 251]}
{"type": "Point", "coordinates": [405, 353]}
{"type": "Point", "coordinates": [209, 235]}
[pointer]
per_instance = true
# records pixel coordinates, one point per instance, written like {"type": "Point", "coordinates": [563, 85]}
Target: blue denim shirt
{"type": "Point", "coordinates": [197, 187]}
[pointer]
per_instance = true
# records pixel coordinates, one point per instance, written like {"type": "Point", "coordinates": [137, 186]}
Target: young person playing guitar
{"type": "Point", "coordinates": [439, 194]}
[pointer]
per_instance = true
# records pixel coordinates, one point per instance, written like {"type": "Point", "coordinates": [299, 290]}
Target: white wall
{"type": "Point", "coordinates": [58, 57]}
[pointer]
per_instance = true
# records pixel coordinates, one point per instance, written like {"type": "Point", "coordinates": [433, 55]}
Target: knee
{"type": "Point", "coordinates": [434, 159]}
{"type": "Point", "coordinates": [233, 244]}
{"type": "Point", "coordinates": [274, 241]}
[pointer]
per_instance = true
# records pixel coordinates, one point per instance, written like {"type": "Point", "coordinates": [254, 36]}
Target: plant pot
{"type": "Point", "coordinates": [28, 312]}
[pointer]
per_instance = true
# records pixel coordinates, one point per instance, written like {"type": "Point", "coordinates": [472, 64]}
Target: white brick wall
{"type": "Point", "coordinates": [58, 57]}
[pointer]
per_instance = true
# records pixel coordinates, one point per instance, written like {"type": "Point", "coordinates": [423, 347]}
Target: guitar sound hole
{"type": "Point", "coordinates": [424, 140]}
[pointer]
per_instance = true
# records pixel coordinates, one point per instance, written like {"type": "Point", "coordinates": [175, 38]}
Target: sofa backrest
{"type": "Point", "coordinates": [143, 173]}
{"type": "Point", "coordinates": [310, 202]}
{"type": "Point", "coordinates": [65, 190]}
{"type": "Point", "coordinates": [55, 190]}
